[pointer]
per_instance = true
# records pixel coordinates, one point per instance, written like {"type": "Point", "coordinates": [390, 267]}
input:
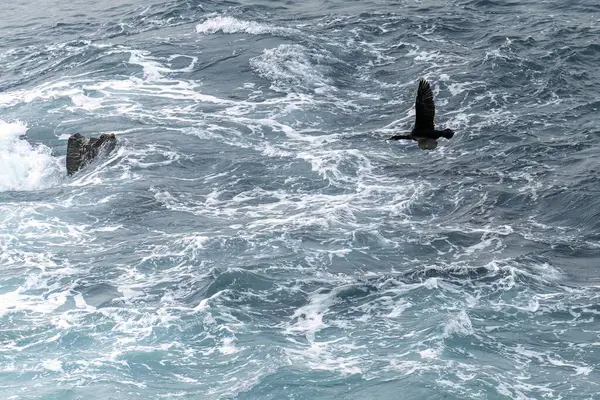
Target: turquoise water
{"type": "Point", "coordinates": [253, 236]}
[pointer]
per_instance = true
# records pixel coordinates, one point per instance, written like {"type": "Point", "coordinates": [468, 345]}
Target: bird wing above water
{"type": "Point", "coordinates": [425, 106]}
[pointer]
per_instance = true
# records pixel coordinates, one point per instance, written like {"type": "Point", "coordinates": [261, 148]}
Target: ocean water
{"type": "Point", "coordinates": [254, 236]}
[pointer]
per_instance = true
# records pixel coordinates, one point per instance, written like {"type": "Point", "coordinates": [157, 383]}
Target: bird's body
{"type": "Point", "coordinates": [424, 132]}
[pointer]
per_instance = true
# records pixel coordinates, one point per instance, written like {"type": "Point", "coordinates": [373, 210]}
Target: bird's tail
{"type": "Point", "coordinates": [448, 133]}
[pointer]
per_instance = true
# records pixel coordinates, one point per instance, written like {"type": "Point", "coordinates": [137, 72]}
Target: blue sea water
{"type": "Point", "coordinates": [254, 236]}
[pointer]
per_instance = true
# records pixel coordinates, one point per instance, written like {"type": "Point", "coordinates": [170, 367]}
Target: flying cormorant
{"type": "Point", "coordinates": [424, 132]}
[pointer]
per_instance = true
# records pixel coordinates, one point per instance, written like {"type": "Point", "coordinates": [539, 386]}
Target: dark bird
{"type": "Point", "coordinates": [424, 132]}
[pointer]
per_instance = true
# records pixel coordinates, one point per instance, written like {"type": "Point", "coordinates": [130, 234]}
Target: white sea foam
{"type": "Point", "coordinates": [121, 95]}
{"type": "Point", "coordinates": [228, 346]}
{"type": "Point", "coordinates": [290, 67]}
{"type": "Point", "coordinates": [87, 103]}
{"type": "Point", "coordinates": [461, 87]}
{"type": "Point", "coordinates": [17, 301]}
{"type": "Point", "coordinates": [228, 24]}
{"type": "Point", "coordinates": [489, 242]}
{"type": "Point", "coordinates": [309, 318]}
{"type": "Point", "coordinates": [25, 166]}
{"type": "Point", "coordinates": [458, 324]}
{"type": "Point", "coordinates": [46, 91]}
{"type": "Point", "coordinates": [327, 356]}
{"type": "Point", "coordinates": [153, 70]}
{"type": "Point", "coordinates": [398, 309]}
{"type": "Point", "coordinates": [429, 353]}
{"type": "Point", "coordinates": [53, 365]}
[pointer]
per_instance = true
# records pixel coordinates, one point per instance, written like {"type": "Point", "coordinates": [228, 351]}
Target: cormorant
{"type": "Point", "coordinates": [424, 132]}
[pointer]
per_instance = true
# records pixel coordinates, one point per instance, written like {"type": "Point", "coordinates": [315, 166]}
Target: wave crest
{"type": "Point", "coordinates": [25, 166]}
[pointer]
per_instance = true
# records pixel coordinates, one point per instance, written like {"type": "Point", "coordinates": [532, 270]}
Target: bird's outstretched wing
{"type": "Point", "coordinates": [425, 106]}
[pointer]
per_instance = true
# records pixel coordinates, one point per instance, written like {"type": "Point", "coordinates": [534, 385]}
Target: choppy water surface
{"type": "Point", "coordinates": [254, 236]}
